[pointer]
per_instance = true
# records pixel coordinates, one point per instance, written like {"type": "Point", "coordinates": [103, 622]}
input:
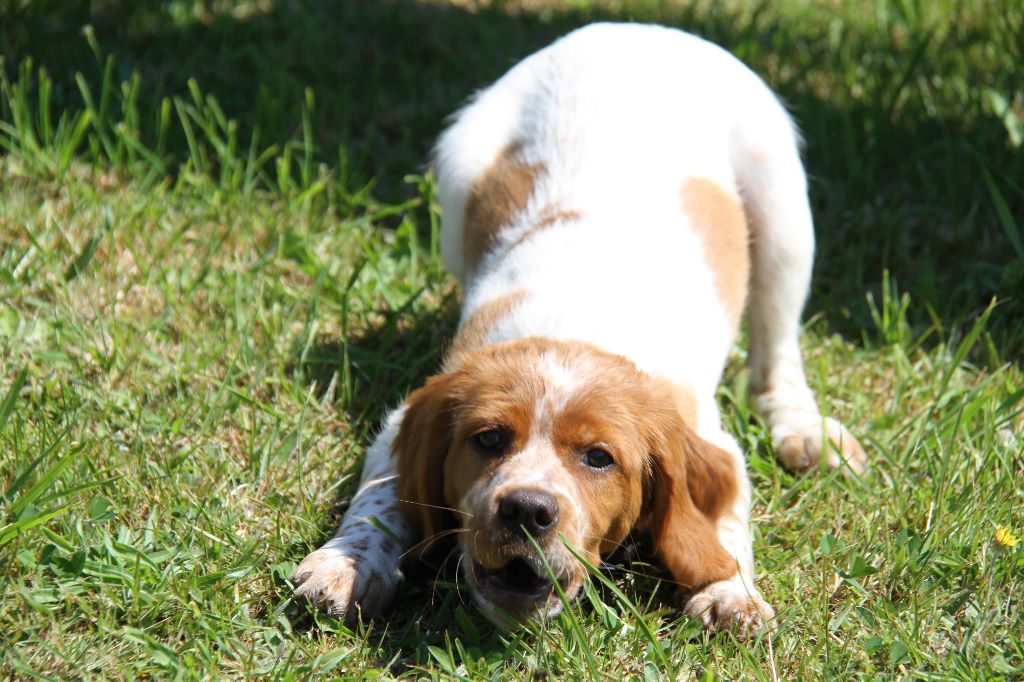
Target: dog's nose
{"type": "Point", "coordinates": [533, 510]}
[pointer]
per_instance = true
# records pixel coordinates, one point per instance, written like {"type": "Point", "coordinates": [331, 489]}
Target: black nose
{"type": "Point", "coordinates": [533, 510]}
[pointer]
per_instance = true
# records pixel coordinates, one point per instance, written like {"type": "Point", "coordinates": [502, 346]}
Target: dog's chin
{"type": "Point", "coordinates": [520, 589]}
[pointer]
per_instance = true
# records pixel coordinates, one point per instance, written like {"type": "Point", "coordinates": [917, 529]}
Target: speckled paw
{"type": "Point", "coordinates": [344, 586]}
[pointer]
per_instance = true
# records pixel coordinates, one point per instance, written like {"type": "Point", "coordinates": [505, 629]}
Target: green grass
{"type": "Point", "coordinates": [218, 267]}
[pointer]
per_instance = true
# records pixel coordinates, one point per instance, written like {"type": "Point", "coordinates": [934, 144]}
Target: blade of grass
{"type": "Point", "coordinates": [1002, 208]}
{"type": "Point", "coordinates": [13, 530]}
{"type": "Point", "coordinates": [11, 399]}
{"type": "Point", "coordinates": [574, 622]}
{"type": "Point", "coordinates": [39, 487]}
{"type": "Point", "coordinates": [625, 601]}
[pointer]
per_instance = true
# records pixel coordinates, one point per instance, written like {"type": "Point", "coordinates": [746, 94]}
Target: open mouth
{"type": "Point", "coordinates": [518, 576]}
{"type": "Point", "coordinates": [521, 588]}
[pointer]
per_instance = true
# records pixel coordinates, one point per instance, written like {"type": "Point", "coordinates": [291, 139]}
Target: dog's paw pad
{"type": "Point", "coordinates": [803, 449]}
{"type": "Point", "coordinates": [728, 606]}
{"type": "Point", "coordinates": [344, 586]}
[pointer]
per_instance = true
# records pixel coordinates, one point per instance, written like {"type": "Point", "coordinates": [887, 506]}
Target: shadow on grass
{"type": "Point", "coordinates": [908, 146]}
{"type": "Point", "coordinates": [375, 369]}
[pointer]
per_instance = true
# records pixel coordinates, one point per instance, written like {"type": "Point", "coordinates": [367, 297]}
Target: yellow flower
{"type": "Point", "coordinates": [1004, 538]}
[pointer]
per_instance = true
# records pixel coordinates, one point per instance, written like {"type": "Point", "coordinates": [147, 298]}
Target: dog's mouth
{"type": "Point", "coordinates": [522, 587]}
{"type": "Point", "coordinates": [518, 576]}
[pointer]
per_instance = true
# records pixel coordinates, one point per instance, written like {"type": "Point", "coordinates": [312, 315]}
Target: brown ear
{"type": "Point", "coordinates": [420, 449]}
{"type": "Point", "coordinates": [693, 482]}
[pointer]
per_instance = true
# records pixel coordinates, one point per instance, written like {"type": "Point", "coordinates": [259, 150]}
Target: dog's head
{"type": "Point", "coordinates": [561, 443]}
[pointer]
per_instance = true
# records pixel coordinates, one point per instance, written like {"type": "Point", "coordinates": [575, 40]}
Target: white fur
{"type": "Point", "coordinates": [620, 116]}
{"type": "Point", "coordinates": [359, 568]}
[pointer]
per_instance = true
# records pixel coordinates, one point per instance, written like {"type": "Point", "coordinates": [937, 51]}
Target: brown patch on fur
{"type": "Point", "coordinates": [694, 483]}
{"type": "Point", "coordinates": [499, 194]}
{"type": "Point", "coordinates": [511, 391]}
{"type": "Point", "coordinates": [717, 217]}
{"type": "Point", "coordinates": [475, 329]}
{"type": "Point", "coordinates": [421, 447]}
{"type": "Point", "coordinates": [608, 414]}
{"type": "Point", "coordinates": [551, 214]}
{"type": "Point", "coordinates": [548, 217]}
{"type": "Point", "coordinates": [467, 465]}
{"type": "Point", "coordinates": [437, 462]}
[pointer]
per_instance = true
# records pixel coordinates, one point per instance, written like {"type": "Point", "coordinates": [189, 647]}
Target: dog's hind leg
{"type": "Point", "coordinates": [357, 572]}
{"type": "Point", "coordinates": [774, 190]}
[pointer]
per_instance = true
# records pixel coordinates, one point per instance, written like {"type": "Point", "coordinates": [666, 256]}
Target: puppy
{"type": "Point", "coordinates": [612, 206]}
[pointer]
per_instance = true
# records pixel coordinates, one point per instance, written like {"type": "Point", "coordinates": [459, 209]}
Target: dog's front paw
{"type": "Point", "coordinates": [347, 587]}
{"type": "Point", "coordinates": [802, 448]}
{"type": "Point", "coordinates": [728, 605]}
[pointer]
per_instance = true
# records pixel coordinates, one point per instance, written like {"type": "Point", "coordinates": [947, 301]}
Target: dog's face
{"type": "Point", "coordinates": [536, 441]}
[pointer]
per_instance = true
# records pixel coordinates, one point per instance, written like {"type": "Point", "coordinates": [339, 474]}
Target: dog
{"type": "Point", "coordinates": [612, 206]}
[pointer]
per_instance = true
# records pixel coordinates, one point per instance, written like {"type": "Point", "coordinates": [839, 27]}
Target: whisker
{"type": "Point", "coordinates": [440, 572]}
{"type": "Point", "coordinates": [618, 545]}
{"type": "Point", "coordinates": [426, 543]}
{"type": "Point", "coordinates": [435, 506]}
{"type": "Point", "coordinates": [458, 583]}
{"type": "Point", "coordinates": [623, 569]}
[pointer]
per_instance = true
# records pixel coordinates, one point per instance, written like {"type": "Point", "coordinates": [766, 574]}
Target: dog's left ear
{"type": "Point", "coordinates": [420, 449]}
{"type": "Point", "coordinates": [692, 482]}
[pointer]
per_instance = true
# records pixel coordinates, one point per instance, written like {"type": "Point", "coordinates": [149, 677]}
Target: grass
{"type": "Point", "coordinates": [218, 267]}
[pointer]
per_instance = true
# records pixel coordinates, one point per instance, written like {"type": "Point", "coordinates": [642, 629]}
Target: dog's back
{"type": "Point", "coordinates": [604, 175]}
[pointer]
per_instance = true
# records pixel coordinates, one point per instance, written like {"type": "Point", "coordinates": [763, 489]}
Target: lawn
{"type": "Point", "coordinates": [218, 268]}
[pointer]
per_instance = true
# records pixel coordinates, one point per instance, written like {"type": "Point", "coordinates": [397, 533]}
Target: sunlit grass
{"type": "Point", "coordinates": [218, 268]}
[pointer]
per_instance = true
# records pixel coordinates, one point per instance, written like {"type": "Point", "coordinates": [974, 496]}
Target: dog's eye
{"type": "Point", "coordinates": [597, 458]}
{"type": "Point", "coordinates": [491, 440]}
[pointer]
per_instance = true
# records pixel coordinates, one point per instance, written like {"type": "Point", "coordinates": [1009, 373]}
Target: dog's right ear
{"type": "Point", "coordinates": [420, 449]}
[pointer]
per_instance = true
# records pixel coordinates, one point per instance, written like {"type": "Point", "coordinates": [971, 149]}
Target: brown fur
{"type": "Point", "coordinates": [685, 402]}
{"type": "Point", "coordinates": [495, 198]}
{"type": "Point", "coordinates": [422, 446]}
{"type": "Point", "coordinates": [694, 481]}
{"type": "Point", "coordinates": [496, 387]}
{"type": "Point", "coordinates": [718, 219]}
{"type": "Point", "coordinates": [548, 217]}
{"type": "Point", "coordinates": [635, 417]}
{"type": "Point", "coordinates": [607, 415]}
{"type": "Point", "coordinates": [476, 328]}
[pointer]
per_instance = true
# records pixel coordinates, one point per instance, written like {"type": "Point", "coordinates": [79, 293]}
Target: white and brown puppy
{"type": "Point", "coordinates": [612, 205]}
